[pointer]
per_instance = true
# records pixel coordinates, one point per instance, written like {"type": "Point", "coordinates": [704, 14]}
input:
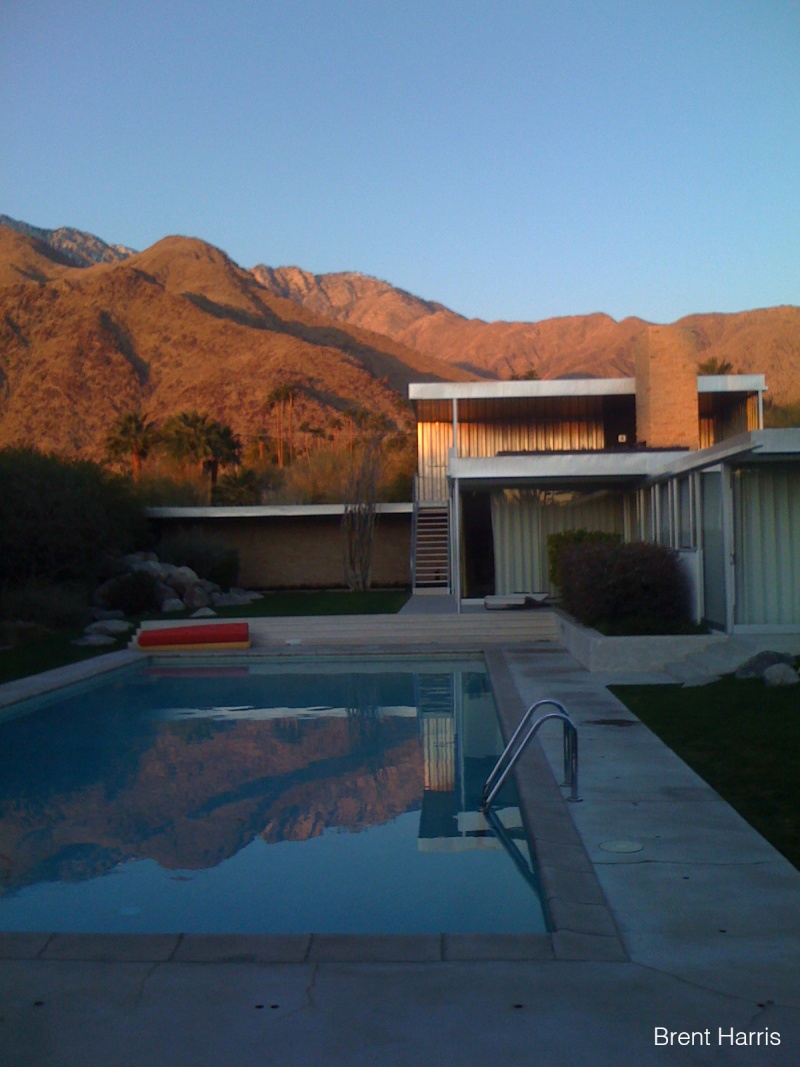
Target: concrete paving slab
{"type": "Point", "coordinates": [235, 948]}
{"type": "Point", "coordinates": [389, 948]}
{"type": "Point", "coordinates": [22, 946]}
{"type": "Point", "coordinates": [112, 948]}
{"type": "Point", "coordinates": [461, 947]}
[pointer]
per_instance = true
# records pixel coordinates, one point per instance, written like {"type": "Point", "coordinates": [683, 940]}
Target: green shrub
{"type": "Point", "coordinates": [54, 606]}
{"type": "Point", "coordinates": [207, 556]}
{"type": "Point", "coordinates": [557, 542]}
{"type": "Point", "coordinates": [603, 582]}
{"type": "Point", "coordinates": [133, 593]}
{"type": "Point", "coordinates": [60, 519]}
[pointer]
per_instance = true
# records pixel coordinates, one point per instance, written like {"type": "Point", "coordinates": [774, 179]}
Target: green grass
{"type": "Point", "coordinates": [45, 653]}
{"type": "Point", "coordinates": [56, 650]}
{"type": "Point", "coordinates": [743, 738]}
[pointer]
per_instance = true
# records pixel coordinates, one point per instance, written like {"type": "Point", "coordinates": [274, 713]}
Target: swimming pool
{"type": "Point", "coordinates": [257, 796]}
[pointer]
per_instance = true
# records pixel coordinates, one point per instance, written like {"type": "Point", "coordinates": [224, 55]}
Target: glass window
{"type": "Point", "coordinates": [685, 524]}
{"type": "Point", "coordinates": [663, 514]}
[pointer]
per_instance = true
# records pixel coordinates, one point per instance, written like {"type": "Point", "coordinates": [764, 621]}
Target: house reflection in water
{"type": "Point", "coordinates": [188, 767]}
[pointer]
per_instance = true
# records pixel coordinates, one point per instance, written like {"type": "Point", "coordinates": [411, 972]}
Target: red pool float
{"type": "Point", "coordinates": [214, 635]}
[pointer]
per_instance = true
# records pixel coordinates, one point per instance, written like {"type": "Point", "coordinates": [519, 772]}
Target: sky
{"type": "Point", "coordinates": [511, 160]}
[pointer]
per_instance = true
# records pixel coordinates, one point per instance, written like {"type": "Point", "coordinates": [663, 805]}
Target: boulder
{"type": "Point", "coordinates": [756, 665]}
{"type": "Point", "coordinates": [163, 593]}
{"type": "Point", "coordinates": [98, 614]}
{"type": "Point", "coordinates": [781, 674]}
{"type": "Point", "coordinates": [138, 557]}
{"type": "Point", "coordinates": [149, 566]}
{"type": "Point", "coordinates": [109, 627]}
{"type": "Point", "coordinates": [180, 578]}
{"type": "Point", "coordinates": [172, 604]}
{"type": "Point", "coordinates": [95, 639]}
{"type": "Point", "coordinates": [196, 597]}
{"type": "Point", "coordinates": [204, 613]}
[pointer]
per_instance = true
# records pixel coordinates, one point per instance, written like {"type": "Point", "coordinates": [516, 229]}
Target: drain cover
{"type": "Point", "coordinates": [621, 846]}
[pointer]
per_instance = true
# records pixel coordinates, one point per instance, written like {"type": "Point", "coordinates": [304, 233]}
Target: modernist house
{"type": "Point", "coordinates": [666, 456]}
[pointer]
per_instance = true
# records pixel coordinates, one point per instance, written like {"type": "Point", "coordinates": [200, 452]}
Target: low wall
{"type": "Point", "coordinates": [297, 547]}
{"type": "Point", "coordinates": [652, 654]}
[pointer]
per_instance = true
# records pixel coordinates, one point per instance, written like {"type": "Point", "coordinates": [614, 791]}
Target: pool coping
{"type": "Point", "coordinates": [582, 926]}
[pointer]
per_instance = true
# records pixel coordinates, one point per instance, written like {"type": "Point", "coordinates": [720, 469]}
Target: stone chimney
{"type": "Point", "coordinates": [667, 414]}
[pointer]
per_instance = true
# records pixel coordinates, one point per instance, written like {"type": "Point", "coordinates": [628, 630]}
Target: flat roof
{"type": "Point", "coordinates": [511, 389]}
{"type": "Point", "coordinates": [760, 446]}
{"type": "Point", "coordinates": [268, 511]}
{"type": "Point", "coordinates": [564, 466]}
{"type": "Point", "coordinates": [500, 390]}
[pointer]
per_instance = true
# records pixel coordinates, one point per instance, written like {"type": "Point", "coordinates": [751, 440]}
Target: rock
{"type": "Point", "coordinates": [95, 639]}
{"type": "Point", "coordinates": [133, 558]}
{"type": "Point", "coordinates": [163, 593]}
{"type": "Point", "coordinates": [172, 604]}
{"type": "Point", "coordinates": [196, 597]}
{"type": "Point", "coordinates": [149, 566]}
{"type": "Point", "coordinates": [101, 595]}
{"type": "Point", "coordinates": [180, 578]}
{"type": "Point", "coordinates": [109, 627]}
{"type": "Point", "coordinates": [781, 674]}
{"type": "Point", "coordinates": [756, 665]}
{"type": "Point", "coordinates": [698, 680]}
{"type": "Point", "coordinates": [98, 614]}
{"type": "Point", "coordinates": [229, 600]}
{"type": "Point", "coordinates": [204, 613]}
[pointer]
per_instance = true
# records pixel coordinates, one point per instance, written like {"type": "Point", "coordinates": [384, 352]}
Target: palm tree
{"type": "Point", "coordinates": [242, 486]}
{"type": "Point", "coordinates": [194, 438]}
{"type": "Point", "coordinates": [134, 436]}
{"type": "Point", "coordinates": [714, 365]}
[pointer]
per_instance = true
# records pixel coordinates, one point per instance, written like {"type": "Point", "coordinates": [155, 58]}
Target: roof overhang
{"type": "Point", "coordinates": [276, 511]}
{"type": "Point", "coordinates": [564, 467]}
{"type": "Point", "coordinates": [570, 387]}
{"type": "Point", "coordinates": [505, 390]}
{"type": "Point", "coordinates": [731, 383]}
{"type": "Point", "coordinates": [755, 446]}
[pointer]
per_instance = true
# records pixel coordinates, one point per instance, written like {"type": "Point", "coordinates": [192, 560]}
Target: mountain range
{"type": "Point", "coordinates": [90, 330]}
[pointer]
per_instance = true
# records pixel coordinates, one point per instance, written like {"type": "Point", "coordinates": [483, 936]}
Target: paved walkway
{"type": "Point", "coordinates": [709, 915]}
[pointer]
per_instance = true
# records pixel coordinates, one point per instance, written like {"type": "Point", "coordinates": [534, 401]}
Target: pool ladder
{"type": "Point", "coordinates": [515, 748]}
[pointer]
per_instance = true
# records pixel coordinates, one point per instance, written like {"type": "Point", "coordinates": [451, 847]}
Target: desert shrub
{"type": "Point", "coordinates": [604, 582]}
{"type": "Point", "coordinates": [60, 518]}
{"type": "Point", "coordinates": [557, 542]}
{"type": "Point", "coordinates": [208, 557]}
{"type": "Point", "coordinates": [133, 593]}
{"type": "Point", "coordinates": [53, 605]}
{"type": "Point", "coordinates": [164, 491]}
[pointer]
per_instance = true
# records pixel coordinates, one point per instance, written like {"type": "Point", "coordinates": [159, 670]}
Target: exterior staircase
{"type": "Point", "coordinates": [431, 548]}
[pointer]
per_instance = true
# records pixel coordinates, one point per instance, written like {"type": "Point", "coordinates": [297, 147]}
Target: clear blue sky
{"type": "Point", "coordinates": [515, 160]}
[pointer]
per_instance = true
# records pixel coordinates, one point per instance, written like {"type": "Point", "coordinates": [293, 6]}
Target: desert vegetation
{"type": "Point", "coordinates": [195, 459]}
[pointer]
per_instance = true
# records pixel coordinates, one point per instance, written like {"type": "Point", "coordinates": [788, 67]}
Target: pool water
{"type": "Point", "coordinates": [261, 797]}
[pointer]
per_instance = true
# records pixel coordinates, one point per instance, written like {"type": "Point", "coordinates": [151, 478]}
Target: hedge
{"type": "Point", "coordinates": [609, 583]}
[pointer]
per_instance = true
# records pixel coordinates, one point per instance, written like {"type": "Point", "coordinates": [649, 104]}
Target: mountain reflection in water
{"type": "Point", "coordinates": [141, 769]}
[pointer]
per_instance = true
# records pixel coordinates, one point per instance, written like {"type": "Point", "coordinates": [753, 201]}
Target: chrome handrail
{"type": "Point", "coordinates": [508, 758]}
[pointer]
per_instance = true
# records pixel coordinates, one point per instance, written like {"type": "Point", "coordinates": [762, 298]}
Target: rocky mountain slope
{"type": "Point", "coordinates": [178, 326]}
{"type": "Point", "coordinates": [764, 341]}
{"type": "Point", "coordinates": [78, 247]}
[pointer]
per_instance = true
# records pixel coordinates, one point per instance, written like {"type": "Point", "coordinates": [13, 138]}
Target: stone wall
{"type": "Point", "coordinates": [303, 552]}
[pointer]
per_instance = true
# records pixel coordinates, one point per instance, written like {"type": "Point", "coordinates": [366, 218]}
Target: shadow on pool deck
{"type": "Point", "coordinates": [707, 916]}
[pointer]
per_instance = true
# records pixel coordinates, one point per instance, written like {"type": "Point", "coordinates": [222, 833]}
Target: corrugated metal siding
{"type": "Point", "coordinates": [522, 520]}
{"type": "Point", "coordinates": [767, 530]}
{"type": "Point", "coordinates": [434, 440]}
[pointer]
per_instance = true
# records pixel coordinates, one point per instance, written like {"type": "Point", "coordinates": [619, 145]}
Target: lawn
{"type": "Point", "coordinates": [743, 738]}
{"type": "Point", "coordinates": [57, 650]}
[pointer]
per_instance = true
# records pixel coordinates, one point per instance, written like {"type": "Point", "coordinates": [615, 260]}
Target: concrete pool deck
{"type": "Point", "coordinates": [707, 915]}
